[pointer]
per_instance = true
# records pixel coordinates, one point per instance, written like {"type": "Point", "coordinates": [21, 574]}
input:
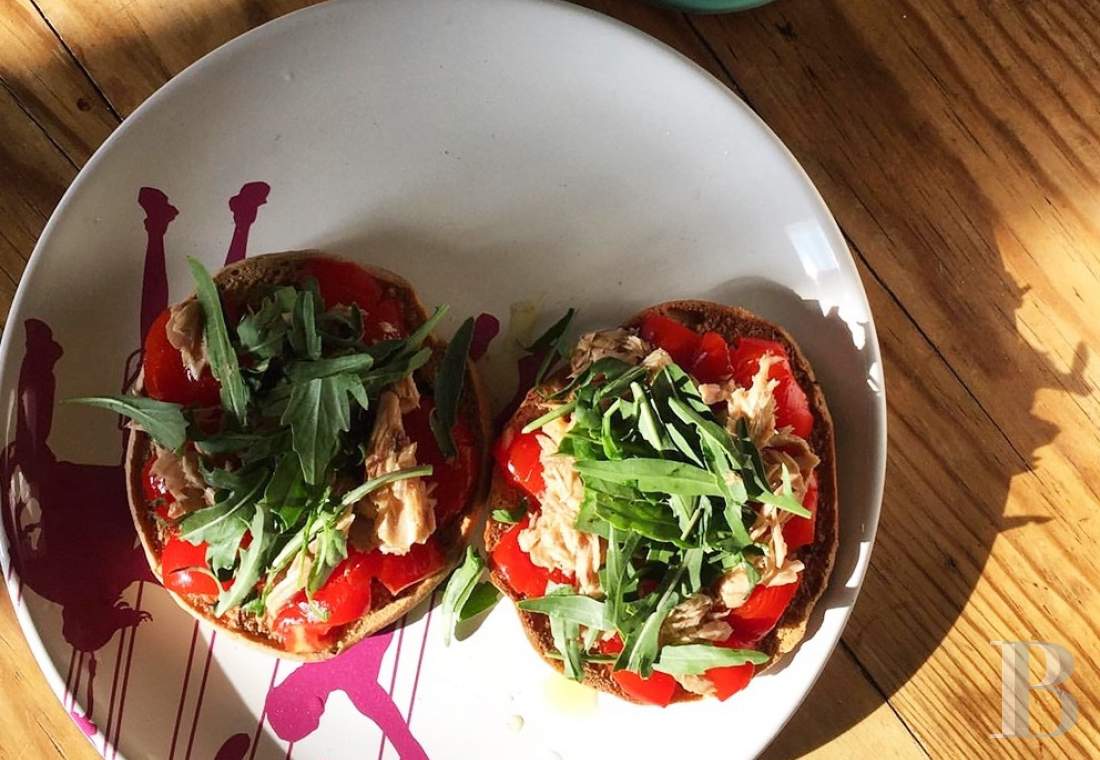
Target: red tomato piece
{"type": "Point", "coordinates": [398, 572]}
{"type": "Point", "coordinates": [761, 611]}
{"type": "Point", "coordinates": [711, 363]}
{"type": "Point", "coordinates": [183, 568]}
{"type": "Point", "coordinates": [730, 680]}
{"type": "Point", "coordinates": [165, 377]}
{"type": "Point", "coordinates": [454, 478]}
{"type": "Point", "coordinates": [799, 531]}
{"type": "Point", "coordinates": [342, 282]}
{"type": "Point", "coordinates": [658, 689]}
{"type": "Point", "coordinates": [525, 577]}
{"type": "Point", "coordinates": [680, 341]}
{"type": "Point", "coordinates": [792, 408]}
{"type": "Point", "coordinates": [518, 455]}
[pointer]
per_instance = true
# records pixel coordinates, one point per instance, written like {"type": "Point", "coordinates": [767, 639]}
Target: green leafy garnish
{"type": "Point", "coordinates": [164, 422]}
{"type": "Point", "coordinates": [572, 607]}
{"type": "Point", "coordinates": [220, 353]}
{"type": "Point", "coordinates": [483, 597]}
{"type": "Point", "coordinates": [695, 659]}
{"type": "Point", "coordinates": [550, 342]}
{"type": "Point", "coordinates": [448, 387]}
{"type": "Point", "coordinates": [459, 588]}
{"type": "Point", "coordinates": [510, 517]}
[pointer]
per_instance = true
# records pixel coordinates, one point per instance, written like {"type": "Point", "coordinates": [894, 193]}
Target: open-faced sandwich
{"type": "Point", "coordinates": [665, 511]}
{"type": "Point", "coordinates": [306, 458]}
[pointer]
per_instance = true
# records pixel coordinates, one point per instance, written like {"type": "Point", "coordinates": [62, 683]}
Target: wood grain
{"type": "Point", "coordinates": [957, 143]}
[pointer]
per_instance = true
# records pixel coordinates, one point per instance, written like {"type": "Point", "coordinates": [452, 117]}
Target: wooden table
{"type": "Point", "coordinates": [958, 144]}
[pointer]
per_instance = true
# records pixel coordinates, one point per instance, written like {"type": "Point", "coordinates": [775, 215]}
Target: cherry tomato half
{"type": "Point", "coordinates": [680, 341]}
{"type": "Point", "coordinates": [792, 408]}
{"type": "Point", "coordinates": [761, 611]}
{"type": "Point", "coordinates": [799, 531]}
{"type": "Point", "coordinates": [519, 457]}
{"type": "Point", "coordinates": [454, 478]}
{"type": "Point", "coordinates": [165, 377]}
{"type": "Point", "coordinates": [343, 598]}
{"type": "Point", "coordinates": [184, 570]}
{"type": "Point", "coordinates": [658, 689]}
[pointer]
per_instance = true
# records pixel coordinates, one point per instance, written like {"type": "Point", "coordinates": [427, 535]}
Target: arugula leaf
{"type": "Point", "coordinates": [354, 364]}
{"type": "Point", "coordinates": [164, 422]}
{"type": "Point", "coordinates": [550, 342]}
{"type": "Point", "coordinates": [696, 659]}
{"type": "Point", "coordinates": [565, 634]}
{"type": "Point", "coordinates": [459, 588]}
{"type": "Point", "coordinates": [286, 494]}
{"type": "Point", "coordinates": [510, 517]}
{"type": "Point", "coordinates": [640, 646]}
{"type": "Point", "coordinates": [222, 357]}
{"type": "Point", "coordinates": [354, 495]}
{"type": "Point", "coordinates": [621, 546]}
{"type": "Point", "coordinates": [250, 569]}
{"type": "Point", "coordinates": [207, 523]}
{"type": "Point", "coordinates": [553, 414]}
{"type": "Point", "coordinates": [254, 446]}
{"type": "Point", "coordinates": [448, 387]}
{"type": "Point", "coordinates": [483, 597]}
{"type": "Point", "coordinates": [571, 607]}
{"type": "Point", "coordinates": [318, 412]}
{"type": "Point", "coordinates": [654, 475]}
{"type": "Point", "coordinates": [419, 335]}
{"type": "Point", "coordinates": [304, 336]}
{"type": "Point", "coordinates": [785, 498]}
{"type": "Point", "coordinates": [263, 332]}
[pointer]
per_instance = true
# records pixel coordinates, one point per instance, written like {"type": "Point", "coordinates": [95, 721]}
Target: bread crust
{"type": "Point", "coordinates": [730, 322]}
{"type": "Point", "coordinates": [246, 282]}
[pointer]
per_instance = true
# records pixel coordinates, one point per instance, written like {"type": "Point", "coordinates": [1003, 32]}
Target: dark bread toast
{"type": "Point", "coordinates": [246, 283]}
{"type": "Point", "coordinates": [731, 323]}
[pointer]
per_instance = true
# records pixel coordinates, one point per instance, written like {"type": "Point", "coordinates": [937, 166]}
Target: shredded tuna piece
{"type": "Point", "coordinates": [407, 393]}
{"type": "Point", "coordinates": [755, 404]}
{"type": "Point", "coordinates": [698, 685]}
{"type": "Point", "coordinates": [185, 333]}
{"type": "Point", "coordinates": [657, 360]}
{"type": "Point", "coordinates": [694, 621]}
{"type": "Point", "coordinates": [404, 513]}
{"type": "Point", "coordinates": [183, 480]}
{"type": "Point", "coordinates": [619, 343]}
{"type": "Point", "coordinates": [734, 587]}
{"type": "Point", "coordinates": [551, 539]}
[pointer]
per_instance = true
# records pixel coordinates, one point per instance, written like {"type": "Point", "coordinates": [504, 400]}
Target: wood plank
{"type": "Point", "coordinates": [32, 721]}
{"type": "Point", "coordinates": [48, 83]}
{"type": "Point", "coordinates": [35, 176]}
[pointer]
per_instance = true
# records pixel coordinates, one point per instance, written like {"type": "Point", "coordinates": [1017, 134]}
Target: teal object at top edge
{"type": "Point", "coordinates": [711, 6]}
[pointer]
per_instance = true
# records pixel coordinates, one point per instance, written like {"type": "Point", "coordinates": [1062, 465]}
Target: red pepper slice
{"type": "Point", "coordinates": [680, 341]}
{"type": "Point", "coordinates": [343, 598]}
{"type": "Point", "coordinates": [343, 282]}
{"type": "Point", "coordinates": [165, 377]}
{"type": "Point", "coordinates": [792, 408]}
{"type": "Point", "coordinates": [799, 531]}
{"type": "Point", "coordinates": [399, 571]}
{"type": "Point", "coordinates": [761, 611]}
{"type": "Point", "coordinates": [711, 363]}
{"type": "Point", "coordinates": [658, 689]}
{"type": "Point", "coordinates": [730, 680]}
{"type": "Point", "coordinates": [518, 456]}
{"type": "Point", "coordinates": [454, 478]}
{"type": "Point", "coordinates": [525, 577]}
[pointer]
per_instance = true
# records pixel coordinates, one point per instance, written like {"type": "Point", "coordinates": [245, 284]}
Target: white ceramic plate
{"type": "Point", "coordinates": [503, 155]}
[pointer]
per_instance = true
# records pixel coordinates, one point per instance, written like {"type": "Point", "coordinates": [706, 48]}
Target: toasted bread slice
{"type": "Point", "coordinates": [731, 323]}
{"type": "Point", "coordinates": [246, 283]}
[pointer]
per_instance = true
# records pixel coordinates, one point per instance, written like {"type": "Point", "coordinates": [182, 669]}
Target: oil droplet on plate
{"type": "Point", "coordinates": [515, 723]}
{"type": "Point", "coordinates": [569, 696]}
{"type": "Point", "coordinates": [521, 322]}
